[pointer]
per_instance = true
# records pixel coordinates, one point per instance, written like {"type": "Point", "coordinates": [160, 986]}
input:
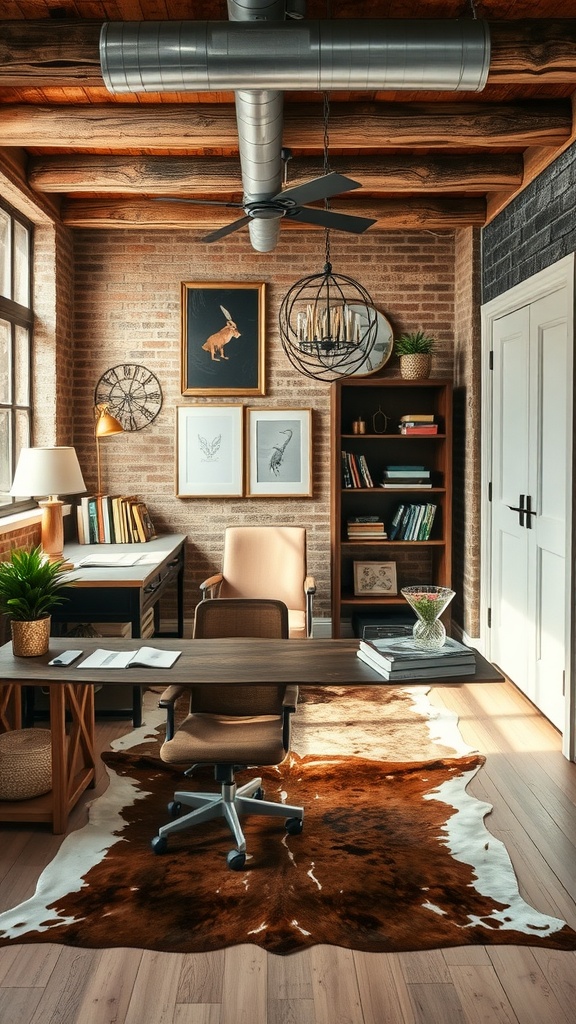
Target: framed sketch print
{"type": "Point", "coordinates": [279, 453]}
{"type": "Point", "coordinates": [375, 578]}
{"type": "Point", "coordinates": [222, 338]}
{"type": "Point", "coordinates": [209, 441]}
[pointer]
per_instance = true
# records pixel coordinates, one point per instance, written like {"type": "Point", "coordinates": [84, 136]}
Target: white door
{"type": "Point", "coordinates": [530, 392]}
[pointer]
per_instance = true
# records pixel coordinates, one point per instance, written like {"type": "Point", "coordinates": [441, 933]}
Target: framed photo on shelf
{"type": "Point", "coordinates": [209, 449]}
{"type": "Point", "coordinates": [279, 453]}
{"type": "Point", "coordinates": [222, 338]}
{"type": "Point", "coordinates": [375, 578]}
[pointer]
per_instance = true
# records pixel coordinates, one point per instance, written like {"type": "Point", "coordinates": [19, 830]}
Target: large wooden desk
{"type": "Point", "coordinates": [125, 594]}
{"type": "Point", "coordinates": [216, 662]}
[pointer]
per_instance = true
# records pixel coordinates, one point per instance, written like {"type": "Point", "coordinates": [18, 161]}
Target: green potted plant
{"type": "Point", "coordinates": [30, 587]}
{"type": "Point", "coordinates": [414, 349]}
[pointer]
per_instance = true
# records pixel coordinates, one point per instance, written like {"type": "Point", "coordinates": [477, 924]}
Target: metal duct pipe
{"type": "Point", "coordinates": [257, 58]}
{"type": "Point", "coordinates": [260, 124]}
{"type": "Point", "coordinates": [295, 55]}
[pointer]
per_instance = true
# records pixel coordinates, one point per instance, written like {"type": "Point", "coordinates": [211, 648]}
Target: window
{"type": "Point", "coordinates": [16, 318]}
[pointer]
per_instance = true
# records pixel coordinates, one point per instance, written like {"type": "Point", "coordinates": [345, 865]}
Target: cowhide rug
{"type": "Point", "coordinates": [394, 855]}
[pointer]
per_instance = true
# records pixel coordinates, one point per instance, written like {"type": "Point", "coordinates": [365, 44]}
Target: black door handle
{"type": "Point", "coordinates": [529, 511]}
{"type": "Point", "coordinates": [519, 508]}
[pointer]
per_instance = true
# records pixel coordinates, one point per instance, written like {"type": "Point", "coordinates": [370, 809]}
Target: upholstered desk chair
{"type": "Point", "coordinates": [231, 727]}
{"type": "Point", "coordinates": [267, 561]}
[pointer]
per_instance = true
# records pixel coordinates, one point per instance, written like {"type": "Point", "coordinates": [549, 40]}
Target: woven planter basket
{"type": "Point", "coordinates": [415, 366]}
{"type": "Point", "coordinates": [25, 764]}
{"type": "Point", "coordinates": [30, 639]}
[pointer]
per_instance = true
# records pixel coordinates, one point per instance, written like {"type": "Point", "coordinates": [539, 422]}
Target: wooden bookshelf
{"type": "Point", "coordinates": [417, 561]}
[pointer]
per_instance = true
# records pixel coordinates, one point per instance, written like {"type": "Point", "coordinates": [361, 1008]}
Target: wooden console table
{"type": "Point", "coordinates": [216, 662]}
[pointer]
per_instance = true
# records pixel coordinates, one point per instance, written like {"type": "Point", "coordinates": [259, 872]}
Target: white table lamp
{"type": "Point", "coordinates": [50, 471]}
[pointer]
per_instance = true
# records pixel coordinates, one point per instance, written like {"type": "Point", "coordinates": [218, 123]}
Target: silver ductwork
{"type": "Point", "coordinates": [258, 59]}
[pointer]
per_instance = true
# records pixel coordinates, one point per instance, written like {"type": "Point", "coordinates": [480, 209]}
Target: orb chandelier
{"type": "Point", "coordinates": [328, 323]}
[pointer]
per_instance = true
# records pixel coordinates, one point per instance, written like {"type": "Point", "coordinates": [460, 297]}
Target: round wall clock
{"type": "Point", "coordinates": [132, 393]}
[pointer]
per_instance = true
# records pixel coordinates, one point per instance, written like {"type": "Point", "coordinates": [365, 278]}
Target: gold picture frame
{"type": "Point", "coordinates": [222, 338]}
{"type": "Point", "coordinates": [376, 579]}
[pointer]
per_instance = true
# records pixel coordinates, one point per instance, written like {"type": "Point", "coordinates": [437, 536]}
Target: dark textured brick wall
{"type": "Point", "coordinates": [536, 230]}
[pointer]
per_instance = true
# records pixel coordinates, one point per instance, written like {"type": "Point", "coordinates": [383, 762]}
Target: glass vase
{"type": "Point", "coordinates": [428, 631]}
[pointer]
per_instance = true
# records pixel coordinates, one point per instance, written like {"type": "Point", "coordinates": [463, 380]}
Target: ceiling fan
{"type": "Point", "coordinates": [290, 203]}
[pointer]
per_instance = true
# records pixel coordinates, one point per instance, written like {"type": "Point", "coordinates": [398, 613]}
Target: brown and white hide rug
{"type": "Point", "coordinates": [394, 855]}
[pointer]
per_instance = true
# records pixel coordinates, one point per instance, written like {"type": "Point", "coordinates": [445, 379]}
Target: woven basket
{"type": "Point", "coordinates": [415, 365]}
{"type": "Point", "coordinates": [25, 764]}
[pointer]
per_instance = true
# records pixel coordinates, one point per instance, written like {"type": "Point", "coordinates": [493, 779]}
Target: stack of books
{"type": "Point", "coordinates": [402, 478]}
{"type": "Point", "coordinates": [366, 528]}
{"type": "Point", "coordinates": [113, 519]}
{"type": "Point", "coordinates": [418, 423]}
{"type": "Point", "coordinates": [399, 659]}
{"type": "Point", "coordinates": [412, 522]}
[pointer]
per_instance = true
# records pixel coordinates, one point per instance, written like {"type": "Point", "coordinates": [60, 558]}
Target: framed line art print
{"type": "Point", "coordinates": [279, 453]}
{"type": "Point", "coordinates": [375, 578]}
{"type": "Point", "coordinates": [209, 449]}
{"type": "Point", "coordinates": [222, 338]}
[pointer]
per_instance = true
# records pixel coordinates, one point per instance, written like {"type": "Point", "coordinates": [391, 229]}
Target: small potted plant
{"type": "Point", "coordinates": [30, 587]}
{"type": "Point", "coordinates": [414, 349]}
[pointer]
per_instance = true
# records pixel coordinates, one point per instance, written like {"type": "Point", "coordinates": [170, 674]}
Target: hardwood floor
{"type": "Point", "coordinates": [533, 790]}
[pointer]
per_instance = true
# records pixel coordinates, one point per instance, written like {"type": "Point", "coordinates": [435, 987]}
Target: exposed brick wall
{"type": "Point", "coordinates": [534, 231]}
{"type": "Point", "coordinates": [467, 430]}
{"type": "Point", "coordinates": [127, 309]}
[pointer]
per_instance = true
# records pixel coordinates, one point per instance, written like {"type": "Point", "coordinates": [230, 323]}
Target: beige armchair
{"type": "Point", "coordinates": [267, 562]}
{"type": "Point", "coordinates": [230, 727]}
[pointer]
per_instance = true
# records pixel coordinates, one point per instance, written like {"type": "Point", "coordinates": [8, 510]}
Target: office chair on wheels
{"type": "Point", "coordinates": [267, 561]}
{"type": "Point", "coordinates": [231, 727]}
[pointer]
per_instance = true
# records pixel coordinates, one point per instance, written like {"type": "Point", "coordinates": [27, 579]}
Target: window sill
{"type": "Point", "coordinates": [9, 524]}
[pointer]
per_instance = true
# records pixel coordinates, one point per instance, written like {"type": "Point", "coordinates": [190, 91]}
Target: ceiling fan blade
{"type": "Point", "coordinates": [226, 230]}
{"type": "Point", "coordinates": [319, 188]}
{"type": "Point", "coordinates": [330, 219]}
{"type": "Point", "coordinates": [194, 202]}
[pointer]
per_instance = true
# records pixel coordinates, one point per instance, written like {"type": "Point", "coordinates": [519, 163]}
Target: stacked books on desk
{"type": "Point", "coordinates": [366, 528]}
{"type": "Point", "coordinates": [113, 519]}
{"type": "Point", "coordinates": [402, 478]}
{"type": "Point", "coordinates": [418, 424]}
{"type": "Point", "coordinates": [398, 659]}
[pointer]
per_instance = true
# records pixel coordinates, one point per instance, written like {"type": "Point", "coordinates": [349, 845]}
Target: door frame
{"type": "Point", "coordinates": [559, 275]}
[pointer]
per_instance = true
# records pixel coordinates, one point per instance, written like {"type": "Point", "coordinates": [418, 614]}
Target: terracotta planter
{"type": "Point", "coordinates": [30, 639]}
{"type": "Point", "coordinates": [415, 366]}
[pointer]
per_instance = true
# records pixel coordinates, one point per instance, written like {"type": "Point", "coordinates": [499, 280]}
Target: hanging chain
{"type": "Point", "coordinates": [473, 9]}
{"type": "Point", "coordinates": [326, 165]}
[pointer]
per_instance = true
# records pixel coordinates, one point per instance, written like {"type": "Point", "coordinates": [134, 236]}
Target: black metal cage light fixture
{"type": "Point", "coordinates": [328, 323]}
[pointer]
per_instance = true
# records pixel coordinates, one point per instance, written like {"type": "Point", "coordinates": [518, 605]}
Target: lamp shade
{"type": "Point", "coordinates": [47, 471]}
{"type": "Point", "coordinates": [106, 423]}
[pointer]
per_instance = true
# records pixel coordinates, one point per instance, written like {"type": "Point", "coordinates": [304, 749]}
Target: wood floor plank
{"type": "Point", "coordinates": [110, 986]}
{"type": "Point", "coordinates": [19, 1004]}
{"type": "Point", "coordinates": [383, 990]}
{"type": "Point", "coordinates": [436, 1004]}
{"type": "Point", "coordinates": [30, 967]}
{"type": "Point", "coordinates": [289, 977]}
{"type": "Point", "coordinates": [529, 992]}
{"type": "Point", "coordinates": [201, 978]}
{"type": "Point", "coordinates": [481, 995]}
{"type": "Point", "coordinates": [291, 1011]}
{"type": "Point", "coordinates": [197, 1013]}
{"type": "Point", "coordinates": [63, 994]}
{"type": "Point", "coordinates": [466, 956]}
{"type": "Point", "coordinates": [156, 985]}
{"type": "Point", "coordinates": [335, 986]}
{"type": "Point", "coordinates": [244, 992]}
{"type": "Point", "coordinates": [559, 969]}
{"type": "Point", "coordinates": [421, 968]}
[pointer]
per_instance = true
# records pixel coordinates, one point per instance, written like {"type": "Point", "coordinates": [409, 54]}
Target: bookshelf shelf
{"type": "Point", "coordinates": [417, 561]}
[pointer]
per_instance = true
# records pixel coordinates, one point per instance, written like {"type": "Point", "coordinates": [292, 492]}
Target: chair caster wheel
{"type": "Point", "coordinates": [174, 808]}
{"type": "Point", "coordinates": [259, 794]}
{"type": "Point", "coordinates": [294, 826]}
{"type": "Point", "coordinates": [236, 860]}
{"type": "Point", "coordinates": [159, 844]}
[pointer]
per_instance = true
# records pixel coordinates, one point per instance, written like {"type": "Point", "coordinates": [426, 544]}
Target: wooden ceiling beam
{"type": "Point", "coordinates": [408, 212]}
{"type": "Point", "coordinates": [203, 177]}
{"type": "Point", "coordinates": [356, 126]}
{"type": "Point", "coordinates": [65, 53]}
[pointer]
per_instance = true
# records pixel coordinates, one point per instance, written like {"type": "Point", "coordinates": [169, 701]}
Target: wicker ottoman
{"type": "Point", "coordinates": [25, 764]}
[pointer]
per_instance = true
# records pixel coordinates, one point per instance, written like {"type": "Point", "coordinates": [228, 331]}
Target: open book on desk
{"type": "Point", "coordinates": [145, 657]}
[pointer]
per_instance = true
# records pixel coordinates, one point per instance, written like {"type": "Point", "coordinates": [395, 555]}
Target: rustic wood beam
{"type": "Point", "coordinates": [203, 177]}
{"type": "Point", "coordinates": [408, 212]}
{"type": "Point", "coordinates": [357, 126]}
{"type": "Point", "coordinates": [65, 53]}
